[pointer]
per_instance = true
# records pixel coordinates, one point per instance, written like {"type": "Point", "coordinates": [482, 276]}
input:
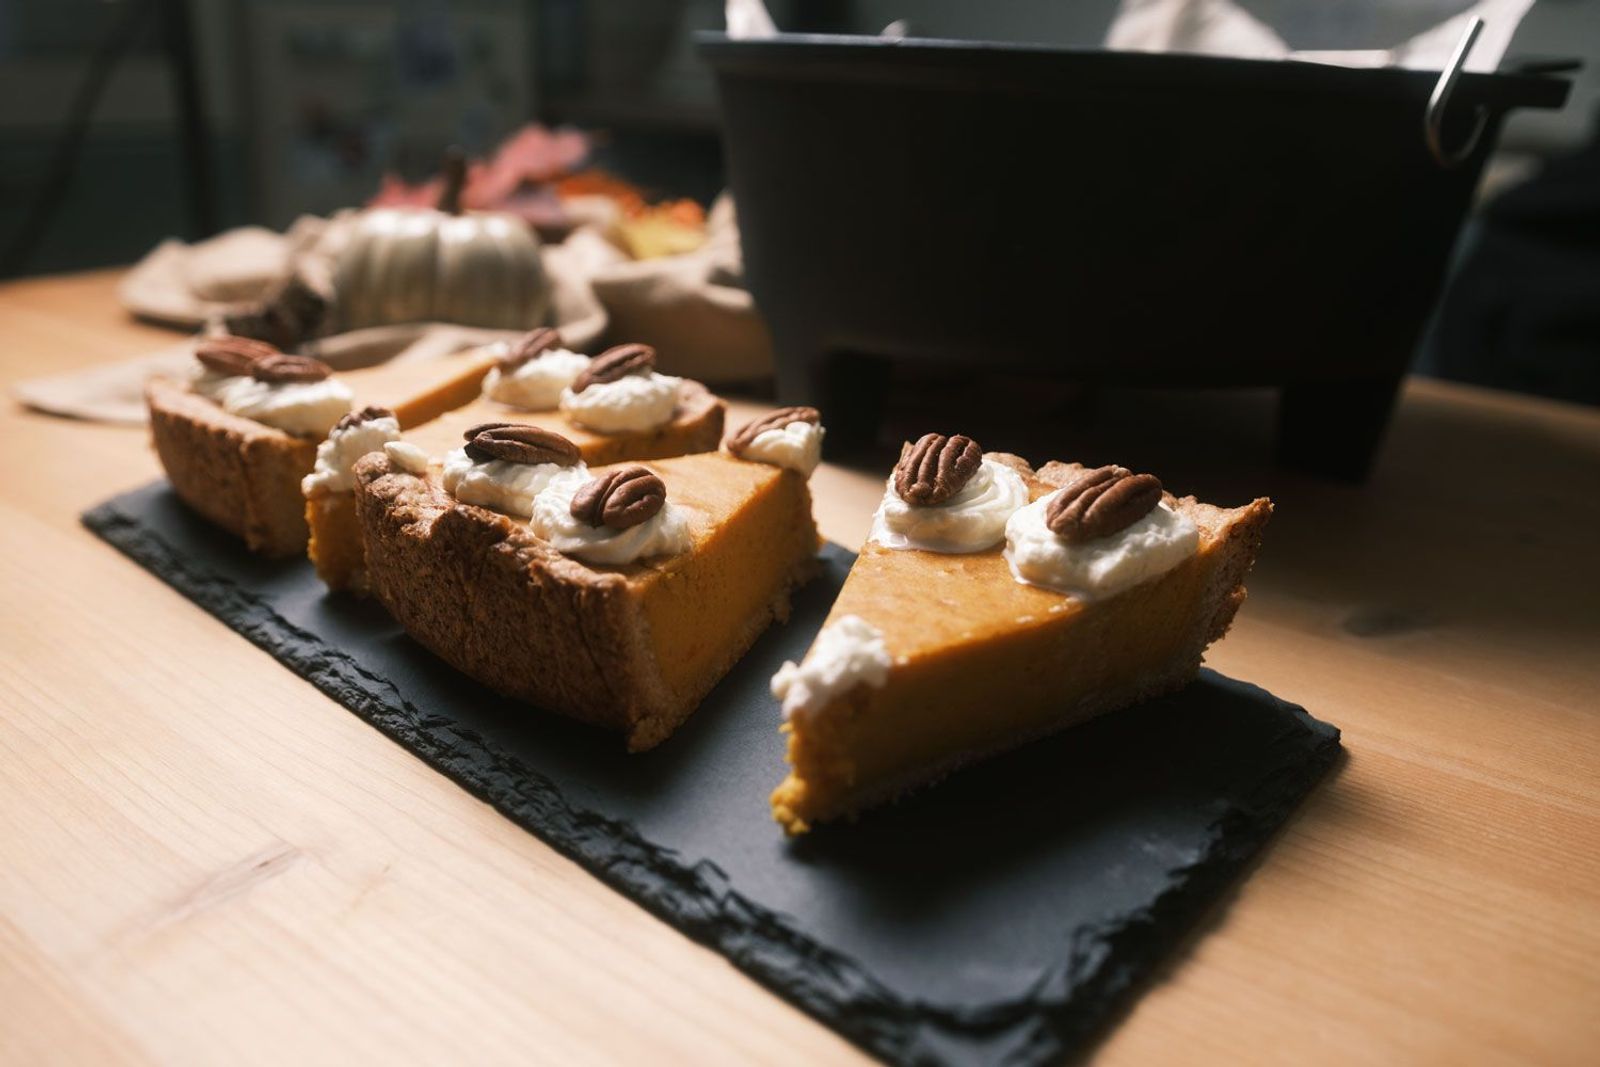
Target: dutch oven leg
{"type": "Point", "coordinates": [848, 388]}
{"type": "Point", "coordinates": [1333, 429]}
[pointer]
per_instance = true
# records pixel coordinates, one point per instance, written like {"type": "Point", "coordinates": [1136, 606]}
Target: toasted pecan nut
{"type": "Point", "coordinates": [530, 346]}
{"type": "Point", "coordinates": [620, 499]}
{"type": "Point", "coordinates": [282, 369]}
{"type": "Point", "coordinates": [231, 354]}
{"type": "Point", "coordinates": [520, 444]}
{"type": "Point", "coordinates": [615, 363]}
{"type": "Point", "coordinates": [777, 420]}
{"type": "Point", "coordinates": [366, 414]}
{"type": "Point", "coordinates": [936, 468]}
{"type": "Point", "coordinates": [1102, 502]}
{"type": "Point", "coordinates": [472, 431]}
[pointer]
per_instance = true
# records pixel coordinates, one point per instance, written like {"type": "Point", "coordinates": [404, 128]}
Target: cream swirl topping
{"type": "Point", "coordinates": [848, 652]}
{"type": "Point", "coordinates": [796, 445]}
{"type": "Point", "coordinates": [666, 533]}
{"type": "Point", "coordinates": [407, 457]}
{"type": "Point", "coordinates": [209, 383]}
{"type": "Point", "coordinates": [537, 385]}
{"type": "Point", "coordinates": [1105, 566]}
{"type": "Point", "coordinates": [308, 409]}
{"type": "Point", "coordinates": [632, 403]}
{"type": "Point", "coordinates": [500, 484]}
{"type": "Point", "coordinates": [970, 521]}
{"type": "Point", "coordinates": [336, 457]}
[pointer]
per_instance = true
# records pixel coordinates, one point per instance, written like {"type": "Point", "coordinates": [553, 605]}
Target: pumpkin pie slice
{"type": "Point", "coordinates": [642, 415]}
{"type": "Point", "coordinates": [616, 595]}
{"type": "Point", "coordinates": [241, 433]}
{"type": "Point", "coordinates": [995, 604]}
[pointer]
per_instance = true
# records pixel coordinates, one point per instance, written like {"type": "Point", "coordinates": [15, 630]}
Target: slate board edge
{"type": "Point", "coordinates": [698, 900]}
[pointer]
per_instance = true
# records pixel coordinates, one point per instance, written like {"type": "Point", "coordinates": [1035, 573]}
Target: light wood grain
{"type": "Point", "coordinates": [203, 860]}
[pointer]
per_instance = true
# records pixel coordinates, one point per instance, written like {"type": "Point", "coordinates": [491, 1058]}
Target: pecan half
{"type": "Point", "coordinates": [520, 444]}
{"type": "Point", "coordinates": [366, 414]}
{"type": "Point", "coordinates": [1102, 502]}
{"type": "Point", "coordinates": [936, 468]}
{"type": "Point", "coordinates": [233, 355]}
{"type": "Point", "coordinates": [614, 363]}
{"type": "Point", "coordinates": [738, 442]}
{"type": "Point", "coordinates": [528, 347]}
{"type": "Point", "coordinates": [619, 499]}
{"type": "Point", "coordinates": [281, 368]}
{"type": "Point", "coordinates": [472, 431]}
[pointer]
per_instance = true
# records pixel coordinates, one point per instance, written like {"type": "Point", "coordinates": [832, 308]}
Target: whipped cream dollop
{"type": "Point", "coordinates": [537, 385]}
{"type": "Point", "coordinates": [209, 383]}
{"type": "Point", "coordinates": [848, 652]}
{"type": "Point", "coordinates": [666, 533]}
{"type": "Point", "coordinates": [971, 521]}
{"type": "Point", "coordinates": [407, 457]}
{"type": "Point", "coordinates": [308, 409]}
{"type": "Point", "coordinates": [631, 404]}
{"type": "Point", "coordinates": [499, 484]}
{"type": "Point", "coordinates": [335, 470]}
{"type": "Point", "coordinates": [796, 445]}
{"type": "Point", "coordinates": [1102, 567]}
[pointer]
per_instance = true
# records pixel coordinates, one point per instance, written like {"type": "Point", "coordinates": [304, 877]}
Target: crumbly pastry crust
{"type": "Point", "coordinates": [484, 594]}
{"type": "Point", "coordinates": [240, 474]}
{"type": "Point", "coordinates": [1235, 536]}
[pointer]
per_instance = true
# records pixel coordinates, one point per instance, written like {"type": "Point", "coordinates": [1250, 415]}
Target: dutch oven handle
{"type": "Point", "coordinates": [1433, 119]}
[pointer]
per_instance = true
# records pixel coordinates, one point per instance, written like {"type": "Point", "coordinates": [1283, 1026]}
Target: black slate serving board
{"type": "Point", "coordinates": [1000, 917]}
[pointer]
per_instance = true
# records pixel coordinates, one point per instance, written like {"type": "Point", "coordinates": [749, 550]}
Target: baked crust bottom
{"type": "Point", "coordinates": [840, 765]}
{"type": "Point", "coordinates": [239, 474]}
{"type": "Point", "coordinates": [631, 649]}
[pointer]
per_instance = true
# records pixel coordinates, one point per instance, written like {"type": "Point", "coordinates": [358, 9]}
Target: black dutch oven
{"type": "Point", "coordinates": [1107, 217]}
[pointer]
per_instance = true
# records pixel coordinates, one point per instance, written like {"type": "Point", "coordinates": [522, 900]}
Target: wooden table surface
{"type": "Point", "coordinates": [204, 860]}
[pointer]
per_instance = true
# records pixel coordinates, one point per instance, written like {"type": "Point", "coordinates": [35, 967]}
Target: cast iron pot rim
{"type": "Point", "coordinates": [841, 57]}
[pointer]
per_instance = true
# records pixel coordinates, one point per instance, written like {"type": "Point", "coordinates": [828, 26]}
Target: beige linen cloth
{"type": "Point", "coordinates": [692, 308]}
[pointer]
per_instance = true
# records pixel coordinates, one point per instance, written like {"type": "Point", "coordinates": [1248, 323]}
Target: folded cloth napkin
{"type": "Point", "coordinates": [1225, 28]}
{"type": "Point", "coordinates": [692, 308]}
{"type": "Point", "coordinates": [184, 285]}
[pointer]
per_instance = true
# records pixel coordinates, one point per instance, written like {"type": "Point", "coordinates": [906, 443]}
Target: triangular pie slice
{"type": "Point", "coordinates": [245, 475]}
{"type": "Point", "coordinates": [695, 426]}
{"type": "Point", "coordinates": [632, 647]}
{"type": "Point", "coordinates": [974, 662]}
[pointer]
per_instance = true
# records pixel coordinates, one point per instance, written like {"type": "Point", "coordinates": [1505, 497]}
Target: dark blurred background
{"type": "Point", "coordinates": [212, 113]}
